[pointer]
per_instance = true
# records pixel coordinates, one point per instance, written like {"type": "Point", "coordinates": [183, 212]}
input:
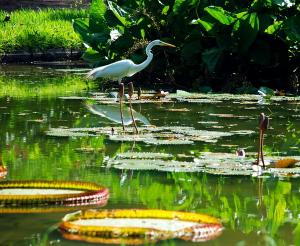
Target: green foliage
{"type": "Point", "coordinates": [224, 38]}
{"type": "Point", "coordinates": [31, 30]}
{"type": "Point", "coordinates": [49, 87]}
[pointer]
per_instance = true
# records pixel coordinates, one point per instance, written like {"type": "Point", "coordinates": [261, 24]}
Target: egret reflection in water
{"type": "Point", "coordinates": [112, 112]}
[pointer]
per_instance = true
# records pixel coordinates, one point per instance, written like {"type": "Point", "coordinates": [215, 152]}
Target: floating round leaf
{"type": "Point", "coordinates": [137, 226]}
{"type": "Point", "coordinates": [143, 155]}
{"type": "Point", "coordinates": [45, 193]}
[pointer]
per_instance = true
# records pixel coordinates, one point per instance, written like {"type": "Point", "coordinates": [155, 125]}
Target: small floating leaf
{"type": "Point", "coordinates": [285, 163]}
{"type": "Point", "coordinates": [199, 100]}
{"type": "Point", "coordinates": [89, 149]}
{"type": "Point", "coordinates": [178, 110]}
{"type": "Point", "coordinates": [168, 141]}
{"type": "Point", "coordinates": [159, 165]}
{"type": "Point", "coordinates": [131, 137]}
{"type": "Point", "coordinates": [143, 155]}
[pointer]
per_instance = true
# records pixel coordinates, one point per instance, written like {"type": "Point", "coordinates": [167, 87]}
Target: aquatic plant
{"type": "Point", "coordinates": [164, 135]}
{"type": "Point", "coordinates": [207, 162]}
{"type": "Point", "coordinates": [115, 226]}
{"type": "Point", "coordinates": [143, 155]}
{"type": "Point", "coordinates": [43, 193]}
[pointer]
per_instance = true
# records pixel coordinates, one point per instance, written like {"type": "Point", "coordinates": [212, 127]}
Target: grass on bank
{"type": "Point", "coordinates": [39, 30]}
{"type": "Point", "coordinates": [50, 87]}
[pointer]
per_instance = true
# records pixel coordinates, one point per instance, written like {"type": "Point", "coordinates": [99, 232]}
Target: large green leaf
{"type": "Point", "coordinates": [81, 27]}
{"type": "Point", "coordinates": [257, 5]}
{"type": "Point", "coordinates": [97, 17]}
{"type": "Point", "coordinates": [99, 38]}
{"type": "Point", "coordinates": [119, 13]}
{"type": "Point", "coordinates": [221, 15]}
{"type": "Point", "coordinates": [245, 31]}
{"type": "Point", "coordinates": [274, 27]}
{"type": "Point", "coordinates": [211, 57]}
{"type": "Point", "coordinates": [94, 57]}
{"type": "Point", "coordinates": [181, 6]}
{"type": "Point", "coordinates": [208, 26]}
{"type": "Point", "coordinates": [292, 28]}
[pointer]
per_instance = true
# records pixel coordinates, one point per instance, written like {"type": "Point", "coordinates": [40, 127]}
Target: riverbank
{"type": "Point", "coordinates": [44, 34]}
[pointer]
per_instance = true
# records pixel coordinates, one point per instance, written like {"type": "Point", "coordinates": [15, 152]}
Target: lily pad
{"type": "Point", "coordinates": [198, 100]}
{"type": "Point", "coordinates": [178, 110]}
{"type": "Point", "coordinates": [139, 226]}
{"type": "Point", "coordinates": [45, 193]}
{"type": "Point", "coordinates": [230, 116]}
{"type": "Point", "coordinates": [164, 135]}
{"type": "Point", "coordinates": [208, 162]}
{"type": "Point", "coordinates": [89, 149]}
{"type": "Point", "coordinates": [173, 141]}
{"type": "Point", "coordinates": [143, 155]}
{"type": "Point", "coordinates": [131, 137]}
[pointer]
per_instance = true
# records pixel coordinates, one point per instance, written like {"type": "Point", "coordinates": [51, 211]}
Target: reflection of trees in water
{"type": "Point", "coordinates": [246, 205]}
{"type": "Point", "coordinates": [266, 207]}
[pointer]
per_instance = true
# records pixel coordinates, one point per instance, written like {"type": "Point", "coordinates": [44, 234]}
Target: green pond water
{"type": "Point", "coordinates": [254, 211]}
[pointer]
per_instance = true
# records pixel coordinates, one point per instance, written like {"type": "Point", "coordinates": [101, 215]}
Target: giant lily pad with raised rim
{"type": "Point", "coordinates": [139, 226]}
{"type": "Point", "coordinates": [49, 193]}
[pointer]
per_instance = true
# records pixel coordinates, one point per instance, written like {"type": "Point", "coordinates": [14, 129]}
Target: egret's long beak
{"type": "Point", "coordinates": [167, 44]}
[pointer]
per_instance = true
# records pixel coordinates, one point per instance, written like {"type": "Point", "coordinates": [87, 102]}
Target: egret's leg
{"type": "Point", "coordinates": [121, 94]}
{"type": "Point", "coordinates": [130, 92]}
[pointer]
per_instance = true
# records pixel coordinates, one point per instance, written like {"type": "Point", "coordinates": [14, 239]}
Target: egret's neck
{"type": "Point", "coordinates": [149, 54]}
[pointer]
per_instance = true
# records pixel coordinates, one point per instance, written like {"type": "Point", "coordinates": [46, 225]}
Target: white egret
{"type": "Point", "coordinates": [125, 68]}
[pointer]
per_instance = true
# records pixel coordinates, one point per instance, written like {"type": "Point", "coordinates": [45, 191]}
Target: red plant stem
{"type": "Point", "coordinates": [261, 148]}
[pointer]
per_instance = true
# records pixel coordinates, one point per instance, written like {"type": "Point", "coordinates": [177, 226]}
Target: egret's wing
{"type": "Point", "coordinates": [112, 112]}
{"type": "Point", "coordinates": [115, 70]}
